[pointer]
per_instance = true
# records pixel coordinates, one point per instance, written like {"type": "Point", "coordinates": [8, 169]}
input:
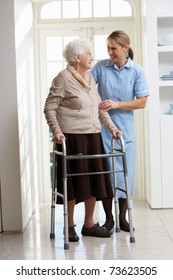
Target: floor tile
{"type": "Point", "coordinates": [153, 237]}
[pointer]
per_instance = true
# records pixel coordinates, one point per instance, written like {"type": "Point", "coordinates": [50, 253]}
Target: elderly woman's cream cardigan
{"type": "Point", "coordinates": [70, 108]}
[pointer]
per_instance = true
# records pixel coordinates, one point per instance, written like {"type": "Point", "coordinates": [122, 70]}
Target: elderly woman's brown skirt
{"type": "Point", "coordinates": [83, 187]}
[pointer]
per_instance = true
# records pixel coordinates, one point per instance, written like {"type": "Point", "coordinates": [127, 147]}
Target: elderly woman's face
{"type": "Point", "coordinates": [85, 60]}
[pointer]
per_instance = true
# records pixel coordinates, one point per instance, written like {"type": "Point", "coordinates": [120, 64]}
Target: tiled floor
{"type": "Point", "coordinates": [153, 236]}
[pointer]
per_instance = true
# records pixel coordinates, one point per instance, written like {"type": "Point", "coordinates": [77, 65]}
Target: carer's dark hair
{"type": "Point", "coordinates": [122, 39]}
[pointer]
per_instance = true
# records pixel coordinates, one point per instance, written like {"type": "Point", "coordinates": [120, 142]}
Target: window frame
{"type": "Point", "coordinates": [79, 19]}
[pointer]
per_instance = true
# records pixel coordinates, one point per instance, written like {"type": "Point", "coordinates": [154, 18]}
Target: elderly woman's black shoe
{"type": "Point", "coordinates": [73, 237]}
{"type": "Point", "coordinates": [96, 231]}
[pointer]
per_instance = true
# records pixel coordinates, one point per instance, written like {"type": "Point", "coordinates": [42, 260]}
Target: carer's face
{"type": "Point", "coordinates": [116, 52]}
{"type": "Point", "coordinates": [86, 59]}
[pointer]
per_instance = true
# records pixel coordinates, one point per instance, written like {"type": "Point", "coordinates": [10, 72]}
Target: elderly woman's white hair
{"type": "Point", "coordinates": [75, 48]}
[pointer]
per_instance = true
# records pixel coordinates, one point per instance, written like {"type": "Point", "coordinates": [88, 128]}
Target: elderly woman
{"type": "Point", "coordinates": [72, 113]}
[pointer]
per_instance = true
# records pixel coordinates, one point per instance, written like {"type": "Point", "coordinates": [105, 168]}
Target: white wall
{"type": "Point", "coordinates": [18, 149]}
{"type": "Point", "coordinates": [9, 145]}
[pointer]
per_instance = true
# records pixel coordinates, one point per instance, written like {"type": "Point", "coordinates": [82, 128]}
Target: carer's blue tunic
{"type": "Point", "coordinates": [123, 84]}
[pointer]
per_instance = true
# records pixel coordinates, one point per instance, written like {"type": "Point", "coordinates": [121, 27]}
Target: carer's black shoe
{"type": "Point", "coordinates": [109, 225]}
{"type": "Point", "coordinates": [124, 225]}
{"type": "Point", "coordinates": [73, 237]}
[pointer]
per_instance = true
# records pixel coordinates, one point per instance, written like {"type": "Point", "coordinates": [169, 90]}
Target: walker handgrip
{"type": "Point", "coordinates": [120, 137]}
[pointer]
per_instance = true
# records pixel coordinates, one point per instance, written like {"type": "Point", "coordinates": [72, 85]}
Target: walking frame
{"type": "Point", "coordinates": [113, 154]}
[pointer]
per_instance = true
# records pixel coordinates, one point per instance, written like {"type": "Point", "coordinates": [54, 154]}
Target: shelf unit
{"type": "Point", "coordinates": [165, 61]}
{"type": "Point", "coordinates": [159, 22]}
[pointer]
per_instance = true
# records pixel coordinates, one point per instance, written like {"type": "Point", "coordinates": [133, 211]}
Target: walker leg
{"type": "Point", "coordinates": [129, 208]}
{"type": "Point", "coordinates": [116, 204]}
{"type": "Point", "coordinates": [66, 235]}
{"type": "Point", "coordinates": [52, 228]}
{"type": "Point", "coordinates": [64, 196]}
{"type": "Point", "coordinates": [132, 238]}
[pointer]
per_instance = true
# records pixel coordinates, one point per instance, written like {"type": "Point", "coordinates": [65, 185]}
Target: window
{"type": "Point", "coordinates": [63, 9]}
{"type": "Point", "coordinates": [54, 59]}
